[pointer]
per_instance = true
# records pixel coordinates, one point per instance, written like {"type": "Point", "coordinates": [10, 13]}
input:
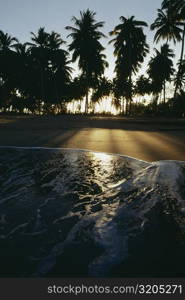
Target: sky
{"type": "Point", "coordinates": [20, 17]}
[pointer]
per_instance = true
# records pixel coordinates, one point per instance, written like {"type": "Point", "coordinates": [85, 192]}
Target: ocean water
{"type": "Point", "coordinates": [75, 213]}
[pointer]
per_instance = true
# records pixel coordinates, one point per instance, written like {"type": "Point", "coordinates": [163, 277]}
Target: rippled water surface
{"type": "Point", "coordinates": [79, 213]}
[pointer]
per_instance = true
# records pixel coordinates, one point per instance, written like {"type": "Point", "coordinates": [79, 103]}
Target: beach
{"type": "Point", "coordinates": [148, 139]}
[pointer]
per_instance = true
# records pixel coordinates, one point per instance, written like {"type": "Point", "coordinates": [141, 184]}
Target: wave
{"type": "Point", "coordinates": [67, 212]}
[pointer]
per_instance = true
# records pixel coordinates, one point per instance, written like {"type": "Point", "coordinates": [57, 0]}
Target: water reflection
{"type": "Point", "coordinates": [103, 157]}
{"type": "Point", "coordinates": [61, 213]}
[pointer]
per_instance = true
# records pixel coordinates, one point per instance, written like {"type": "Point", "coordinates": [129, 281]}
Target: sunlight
{"type": "Point", "coordinates": [104, 106]}
{"type": "Point", "coordinates": [105, 158]}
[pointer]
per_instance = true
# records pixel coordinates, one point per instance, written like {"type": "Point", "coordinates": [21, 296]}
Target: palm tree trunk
{"type": "Point", "coordinates": [87, 101]}
{"type": "Point", "coordinates": [164, 91]}
{"type": "Point", "coordinates": [126, 107]}
{"type": "Point", "coordinates": [130, 92]}
{"type": "Point", "coordinates": [42, 89]}
{"type": "Point", "coordinates": [56, 90]}
{"type": "Point", "coordinates": [130, 79]}
{"type": "Point", "coordinates": [122, 106]}
{"type": "Point", "coordinates": [181, 58]}
{"type": "Point", "coordinates": [73, 107]}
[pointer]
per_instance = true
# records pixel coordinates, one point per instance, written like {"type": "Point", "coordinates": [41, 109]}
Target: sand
{"type": "Point", "coordinates": [146, 139]}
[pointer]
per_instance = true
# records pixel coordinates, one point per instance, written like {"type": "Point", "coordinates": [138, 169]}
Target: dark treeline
{"type": "Point", "coordinates": [36, 77]}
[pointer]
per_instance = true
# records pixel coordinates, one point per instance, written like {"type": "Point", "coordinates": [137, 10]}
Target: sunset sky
{"type": "Point", "coordinates": [20, 17]}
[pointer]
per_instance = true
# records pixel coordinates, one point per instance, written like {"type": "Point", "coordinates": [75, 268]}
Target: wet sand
{"type": "Point", "coordinates": [146, 139]}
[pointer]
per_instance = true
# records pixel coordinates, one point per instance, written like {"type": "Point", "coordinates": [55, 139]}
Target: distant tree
{"type": "Point", "coordinates": [58, 63]}
{"type": "Point", "coordinates": [23, 56]}
{"type": "Point", "coordinates": [143, 86]}
{"type": "Point", "coordinates": [7, 41]}
{"type": "Point", "coordinates": [167, 26]}
{"type": "Point", "coordinates": [177, 105]}
{"type": "Point", "coordinates": [87, 49]}
{"type": "Point", "coordinates": [54, 41]}
{"type": "Point", "coordinates": [52, 63]}
{"type": "Point", "coordinates": [170, 20]}
{"type": "Point", "coordinates": [40, 55]}
{"type": "Point", "coordinates": [103, 89]}
{"type": "Point", "coordinates": [180, 79]}
{"type": "Point", "coordinates": [161, 61]}
{"type": "Point", "coordinates": [8, 66]}
{"type": "Point", "coordinates": [179, 7]}
{"type": "Point", "coordinates": [130, 50]}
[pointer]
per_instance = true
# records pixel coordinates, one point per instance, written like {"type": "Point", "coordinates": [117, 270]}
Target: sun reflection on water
{"type": "Point", "coordinates": [103, 157]}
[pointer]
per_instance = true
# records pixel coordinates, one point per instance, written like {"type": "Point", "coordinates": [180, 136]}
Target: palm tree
{"type": "Point", "coordinates": [7, 56]}
{"type": "Point", "coordinates": [9, 66]}
{"type": "Point", "coordinates": [169, 22]}
{"type": "Point", "coordinates": [179, 7]}
{"type": "Point", "coordinates": [22, 49]}
{"type": "Point", "coordinates": [87, 49]}
{"type": "Point", "coordinates": [121, 91]}
{"type": "Point", "coordinates": [161, 61]}
{"type": "Point", "coordinates": [40, 39]}
{"type": "Point", "coordinates": [143, 86]}
{"type": "Point", "coordinates": [167, 26]}
{"type": "Point", "coordinates": [7, 41]}
{"type": "Point", "coordinates": [61, 72]}
{"type": "Point", "coordinates": [58, 63]}
{"type": "Point", "coordinates": [23, 57]}
{"type": "Point", "coordinates": [180, 79]}
{"type": "Point", "coordinates": [40, 54]}
{"type": "Point", "coordinates": [46, 69]}
{"type": "Point", "coordinates": [54, 41]}
{"type": "Point", "coordinates": [103, 89]}
{"type": "Point", "coordinates": [130, 50]}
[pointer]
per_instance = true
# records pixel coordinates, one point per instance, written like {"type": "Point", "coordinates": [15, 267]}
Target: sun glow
{"type": "Point", "coordinates": [104, 106]}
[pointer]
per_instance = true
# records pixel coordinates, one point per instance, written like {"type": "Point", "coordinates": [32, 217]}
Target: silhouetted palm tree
{"type": "Point", "coordinates": [7, 41]}
{"type": "Point", "coordinates": [58, 63]}
{"type": "Point", "coordinates": [167, 26]}
{"type": "Point", "coordinates": [51, 61]}
{"type": "Point", "coordinates": [121, 91]}
{"type": "Point", "coordinates": [54, 41]}
{"type": "Point", "coordinates": [87, 49]}
{"type": "Point", "coordinates": [130, 50]}
{"type": "Point", "coordinates": [103, 89]}
{"type": "Point", "coordinates": [40, 39]}
{"type": "Point", "coordinates": [178, 6]}
{"type": "Point", "coordinates": [9, 66]}
{"type": "Point", "coordinates": [161, 69]}
{"type": "Point", "coordinates": [180, 79]}
{"type": "Point", "coordinates": [143, 86]}
{"type": "Point", "coordinates": [169, 22]}
{"type": "Point", "coordinates": [24, 62]}
{"type": "Point", "coordinates": [22, 49]}
{"type": "Point", "coordinates": [178, 105]}
{"type": "Point", "coordinates": [40, 54]}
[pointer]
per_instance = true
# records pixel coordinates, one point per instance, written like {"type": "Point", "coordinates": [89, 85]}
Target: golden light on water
{"type": "Point", "coordinates": [104, 165]}
{"type": "Point", "coordinates": [105, 158]}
